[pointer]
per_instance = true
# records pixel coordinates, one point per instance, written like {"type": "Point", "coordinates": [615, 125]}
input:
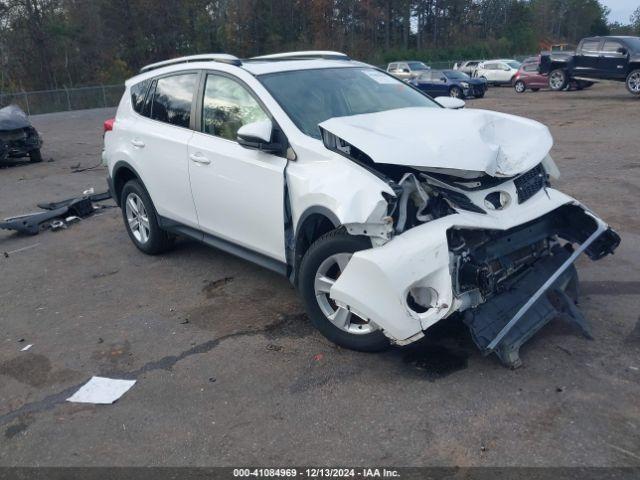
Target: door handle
{"type": "Point", "coordinates": [137, 143]}
{"type": "Point", "coordinates": [199, 158]}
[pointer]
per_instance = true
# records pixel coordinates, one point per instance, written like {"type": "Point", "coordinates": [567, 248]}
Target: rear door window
{"type": "Point", "coordinates": [611, 46]}
{"type": "Point", "coordinates": [590, 46]}
{"type": "Point", "coordinates": [172, 99]}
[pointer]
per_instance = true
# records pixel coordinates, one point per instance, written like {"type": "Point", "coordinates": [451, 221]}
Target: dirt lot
{"type": "Point", "coordinates": [247, 381]}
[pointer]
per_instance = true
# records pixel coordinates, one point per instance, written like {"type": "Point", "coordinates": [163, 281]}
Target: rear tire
{"type": "Point", "coordinates": [35, 156]}
{"type": "Point", "coordinates": [141, 220]}
{"type": "Point", "coordinates": [520, 87]}
{"type": "Point", "coordinates": [558, 80]}
{"type": "Point", "coordinates": [633, 82]}
{"type": "Point", "coordinates": [314, 278]}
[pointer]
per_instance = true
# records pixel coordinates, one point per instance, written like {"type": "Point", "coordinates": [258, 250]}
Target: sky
{"type": "Point", "coordinates": [621, 10]}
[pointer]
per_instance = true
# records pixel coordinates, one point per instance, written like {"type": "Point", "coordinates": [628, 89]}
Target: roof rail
{"type": "Point", "coordinates": [305, 55]}
{"type": "Point", "coordinates": [206, 57]}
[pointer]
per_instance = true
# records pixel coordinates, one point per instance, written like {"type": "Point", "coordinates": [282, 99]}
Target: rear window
{"type": "Point", "coordinates": [138, 92]}
{"type": "Point", "coordinates": [172, 99]}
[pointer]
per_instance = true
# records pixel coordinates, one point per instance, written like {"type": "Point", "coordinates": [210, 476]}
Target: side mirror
{"type": "Point", "coordinates": [406, 70]}
{"type": "Point", "coordinates": [257, 136]}
{"type": "Point", "coordinates": [443, 79]}
{"type": "Point", "coordinates": [450, 102]}
{"type": "Point", "coordinates": [622, 50]}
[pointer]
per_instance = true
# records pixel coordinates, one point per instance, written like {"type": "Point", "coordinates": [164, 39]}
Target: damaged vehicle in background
{"type": "Point", "coordinates": [386, 211]}
{"type": "Point", "coordinates": [18, 138]}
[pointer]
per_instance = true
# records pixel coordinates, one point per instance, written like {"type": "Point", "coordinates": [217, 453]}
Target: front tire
{"type": "Point", "coordinates": [141, 220]}
{"type": "Point", "coordinates": [321, 266]}
{"type": "Point", "coordinates": [455, 92]}
{"type": "Point", "coordinates": [633, 82]}
{"type": "Point", "coordinates": [35, 156]}
{"type": "Point", "coordinates": [519, 87]}
{"type": "Point", "coordinates": [558, 80]}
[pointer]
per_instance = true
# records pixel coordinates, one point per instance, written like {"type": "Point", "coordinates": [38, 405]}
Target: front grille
{"type": "Point", "coordinates": [530, 183]}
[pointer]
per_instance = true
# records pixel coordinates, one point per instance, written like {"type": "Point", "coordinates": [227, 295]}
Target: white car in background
{"type": "Point", "coordinates": [498, 72]}
{"type": "Point", "coordinates": [387, 212]}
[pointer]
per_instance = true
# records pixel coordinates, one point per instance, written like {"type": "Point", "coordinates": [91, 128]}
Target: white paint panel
{"type": "Point", "coordinates": [474, 140]}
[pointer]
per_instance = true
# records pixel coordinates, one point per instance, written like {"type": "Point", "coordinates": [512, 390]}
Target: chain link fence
{"type": "Point", "coordinates": [48, 101]}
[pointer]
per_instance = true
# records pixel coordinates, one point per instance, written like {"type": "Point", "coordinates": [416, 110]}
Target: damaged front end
{"type": "Point", "coordinates": [499, 250]}
{"type": "Point", "coordinates": [18, 138]}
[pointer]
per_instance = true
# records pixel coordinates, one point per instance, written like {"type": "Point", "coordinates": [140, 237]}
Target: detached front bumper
{"type": "Point", "coordinates": [377, 283]}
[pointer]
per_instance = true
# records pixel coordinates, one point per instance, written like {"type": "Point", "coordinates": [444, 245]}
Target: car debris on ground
{"type": "Point", "coordinates": [101, 390]}
{"type": "Point", "coordinates": [18, 138]}
{"type": "Point", "coordinates": [57, 215]}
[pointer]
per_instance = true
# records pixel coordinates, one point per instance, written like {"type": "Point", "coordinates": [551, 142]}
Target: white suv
{"type": "Point", "coordinates": [387, 212]}
{"type": "Point", "coordinates": [498, 72]}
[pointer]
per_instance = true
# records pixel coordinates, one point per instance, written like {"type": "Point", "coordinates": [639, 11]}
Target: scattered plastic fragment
{"type": "Point", "coordinates": [27, 347]}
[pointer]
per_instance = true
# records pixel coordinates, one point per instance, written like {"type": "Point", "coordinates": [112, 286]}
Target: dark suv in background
{"type": "Point", "coordinates": [453, 83]}
{"type": "Point", "coordinates": [596, 58]}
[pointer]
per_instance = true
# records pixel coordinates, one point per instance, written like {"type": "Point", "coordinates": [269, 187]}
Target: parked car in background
{"type": "Point", "coordinates": [407, 70]}
{"type": "Point", "coordinates": [498, 72]}
{"type": "Point", "coordinates": [469, 67]}
{"type": "Point", "coordinates": [453, 83]}
{"type": "Point", "coordinates": [528, 77]}
{"type": "Point", "coordinates": [18, 137]}
{"type": "Point", "coordinates": [606, 58]}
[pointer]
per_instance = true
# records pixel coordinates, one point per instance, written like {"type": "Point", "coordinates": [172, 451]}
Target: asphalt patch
{"type": "Point", "coordinates": [295, 325]}
{"type": "Point", "coordinates": [436, 362]}
{"type": "Point", "coordinates": [30, 369]}
{"type": "Point", "coordinates": [609, 288]}
{"type": "Point", "coordinates": [211, 289]}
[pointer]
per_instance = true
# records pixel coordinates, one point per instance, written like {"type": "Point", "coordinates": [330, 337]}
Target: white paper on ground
{"type": "Point", "coordinates": [26, 348]}
{"type": "Point", "coordinates": [101, 390]}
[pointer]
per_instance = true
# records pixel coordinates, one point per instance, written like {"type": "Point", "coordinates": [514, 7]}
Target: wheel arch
{"type": "Point", "coordinates": [314, 222]}
{"type": "Point", "coordinates": [122, 173]}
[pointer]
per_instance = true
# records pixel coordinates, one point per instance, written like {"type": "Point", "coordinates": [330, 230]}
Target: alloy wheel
{"type": "Point", "coordinates": [520, 88]}
{"type": "Point", "coordinates": [634, 82]}
{"type": "Point", "coordinates": [137, 218]}
{"type": "Point", "coordinates": [556, 80]}
{"type": "Point", "coordinates": [327, 274]}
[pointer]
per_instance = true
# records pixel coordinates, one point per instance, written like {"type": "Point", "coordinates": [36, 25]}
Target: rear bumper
{"type": "Point", "coordinates": [376, 283]}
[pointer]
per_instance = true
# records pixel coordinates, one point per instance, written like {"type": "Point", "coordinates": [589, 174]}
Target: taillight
{"type": "Point", "coordinates": [108, 125]}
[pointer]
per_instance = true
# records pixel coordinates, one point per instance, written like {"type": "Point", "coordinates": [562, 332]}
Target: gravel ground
{"type": "Point", "coordinates": [246, 380]}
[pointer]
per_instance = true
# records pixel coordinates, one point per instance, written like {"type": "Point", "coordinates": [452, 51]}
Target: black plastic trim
{"type": "Point", "coordinates": [224, 245]}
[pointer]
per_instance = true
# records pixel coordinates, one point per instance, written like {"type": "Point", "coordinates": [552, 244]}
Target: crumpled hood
{"type": "Point", "coordinates": [498, 144]}
{"type": "Point", "coordinates": [12, 118]}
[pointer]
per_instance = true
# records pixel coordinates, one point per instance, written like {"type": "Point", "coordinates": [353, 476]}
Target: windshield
{"type": "Point", "coordinates": [417, 66]}
{"type": "Point", "coordinates": [514, 64]}
{"type": "Point", "coordinates": [456, 75]}
{"type": "Point", "coordinates": [312, 96]}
